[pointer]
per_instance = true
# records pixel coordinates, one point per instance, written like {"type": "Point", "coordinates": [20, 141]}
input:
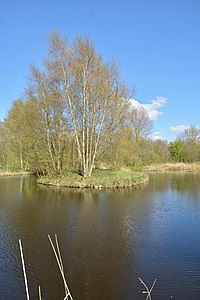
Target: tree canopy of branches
{"type": "Point", "coordinates": [96, 98]}
{"type": "Point", "coordinates": [140, 123]}
{"type": "Point", "coordinates": [75, 96]}
{"type": "Point", "coordinates": [191, 135]}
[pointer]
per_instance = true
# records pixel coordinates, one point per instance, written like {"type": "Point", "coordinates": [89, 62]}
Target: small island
{"type": "Point", "coordinates": [99, 179]}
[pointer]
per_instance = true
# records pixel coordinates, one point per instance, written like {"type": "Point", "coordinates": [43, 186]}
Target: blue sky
{"type": "Point", "coordinates": [156, 43]}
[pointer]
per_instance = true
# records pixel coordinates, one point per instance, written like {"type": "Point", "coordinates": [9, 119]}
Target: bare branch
{"type": "Point", "coordinates": [148, 292]}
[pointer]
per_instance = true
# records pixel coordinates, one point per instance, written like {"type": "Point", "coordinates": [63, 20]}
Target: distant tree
{"type": "Point", "coordinates": [178, 151]}
{"type": "Point", "coordinates": [4, 147]}
{"type": "Point", "coordinates": [191, 135]}
{"type": "Point", "coordinates": [120, 153]}
{"type": "Point", "coordinates": [140, 123]}
{"type": "Point", "coordinates": [17, 130]}
{"type": "Point", "coordinates": [161, 152]}
{"type": "Point", "coordinates": [191, 138]}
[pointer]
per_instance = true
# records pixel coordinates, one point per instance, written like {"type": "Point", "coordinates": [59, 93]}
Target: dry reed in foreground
{"type": "Point", "coordinates": [56, 251]}
{"type": "Point", "coordinates": [68, 296]}
{"type": "Point", "coordinates": [148, 291]}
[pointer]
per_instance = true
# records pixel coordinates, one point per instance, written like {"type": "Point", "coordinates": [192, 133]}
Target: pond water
{"type": "Point", "coordinates": [107, 239]}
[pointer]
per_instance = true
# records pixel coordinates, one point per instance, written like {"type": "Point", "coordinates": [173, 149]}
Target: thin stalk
{"type": "Point", "coordinates": [24, 270]}
{"type": "Point", "coordinates": [60, 258]}
{"type": "Point", "coordinates": [61, 270]}
{"type": "Point", "coordinates": [148, 292]}
{"type": "Point", "coordinates": [40, 294]}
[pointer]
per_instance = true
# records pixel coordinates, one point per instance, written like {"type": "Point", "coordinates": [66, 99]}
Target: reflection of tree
{"type": "Point", "coordinates": [158, 181]}
{"type": "Point", "coordinates": [186, 183]}
{"type": "Point", "coordinates": [102, 254]}
{"type": "Point", "coordinates": [179, 182]}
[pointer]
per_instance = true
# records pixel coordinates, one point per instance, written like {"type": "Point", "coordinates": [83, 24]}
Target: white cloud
{"type": "Point", "coordinates": [136, 103]}
{"type": "Point", "coordinates": [156, 136]}
{"type": "Point", "coordinates": [153, 114]}
{"type": "Point", "coordinates": [179, 128]}
{"type": "Point", "coordinates": [156, 133]}
{"type": "Point", "coordinates": [157, 103]}
{"type": "Point", "coordinates": [152, 108]}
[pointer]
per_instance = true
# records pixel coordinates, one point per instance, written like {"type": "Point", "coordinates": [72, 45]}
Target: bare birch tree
{"type": "Point", "coordinates": [96, 97]}
{"type": "Point", "coordinates": [140, 123]}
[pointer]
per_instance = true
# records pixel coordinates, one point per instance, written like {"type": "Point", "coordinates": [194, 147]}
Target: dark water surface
{"type": "Point", "coordinates": [107, 238]}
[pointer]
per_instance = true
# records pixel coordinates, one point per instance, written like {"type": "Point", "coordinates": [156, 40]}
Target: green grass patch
{"type": "Point", "coordinates": [99, 179]}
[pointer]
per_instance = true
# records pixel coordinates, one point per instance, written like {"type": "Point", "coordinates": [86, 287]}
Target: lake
{"type": "Point", "coordinates": [107, 239]}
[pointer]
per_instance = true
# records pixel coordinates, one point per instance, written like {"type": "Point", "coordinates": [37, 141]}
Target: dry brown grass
{"type": "Point", "coordinates": [56, 250]}
{"type": "Point", "coordinates": [174, 167]}
{"type": "Point", "coordinates": [14, 173]}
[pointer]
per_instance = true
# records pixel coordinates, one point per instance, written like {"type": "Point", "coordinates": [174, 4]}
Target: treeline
{"type": "Point", "coordinates": [186, 148]}
{"type": "Point", "coordinates": [76, 114]}
{"type": "Point", "coordinates": [27, 144]}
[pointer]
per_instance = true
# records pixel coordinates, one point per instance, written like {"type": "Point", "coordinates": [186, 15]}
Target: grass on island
{"type": "Point", "coordinates": [174, 167]}
{"type": "Point", "coordinates": [99, 179]}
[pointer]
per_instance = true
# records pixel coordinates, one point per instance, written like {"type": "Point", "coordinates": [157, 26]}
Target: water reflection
{"type": "Point", "coordinates": [180, 182]}
{"type": "Point", "coordinates": [107, 239]}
